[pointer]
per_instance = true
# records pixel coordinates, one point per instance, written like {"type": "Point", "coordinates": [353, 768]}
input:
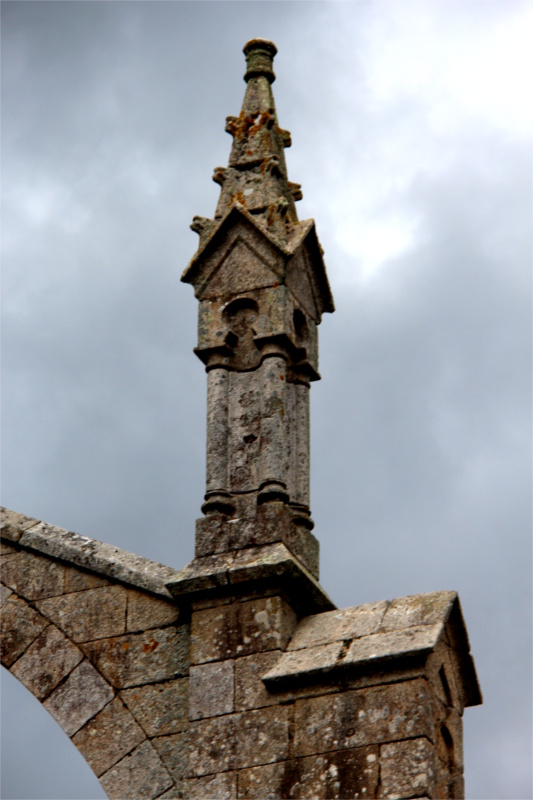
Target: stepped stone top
{"type": "Point", "coordinates": [333, 644]}
{"type": "Point", "coordinates": [104, 559]}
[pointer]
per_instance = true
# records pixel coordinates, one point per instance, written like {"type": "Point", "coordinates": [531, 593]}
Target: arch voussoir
{"type": "Point", "coordinates": [108, 661]}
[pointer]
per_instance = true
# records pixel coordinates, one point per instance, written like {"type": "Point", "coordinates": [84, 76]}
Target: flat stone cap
{"type": "Point", "coordinates": [239, 570]}
{"type": "Point", "coordinates": [369, 637]}
{"type": "Point", "coordinates": [81, 551]}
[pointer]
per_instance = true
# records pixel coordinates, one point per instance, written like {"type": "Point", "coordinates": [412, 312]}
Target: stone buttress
{"type": "Point", "coordinates": [236, 677]}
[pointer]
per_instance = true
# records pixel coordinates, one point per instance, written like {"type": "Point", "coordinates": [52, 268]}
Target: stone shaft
{"type": "Point", "coordinates": [262, 289]}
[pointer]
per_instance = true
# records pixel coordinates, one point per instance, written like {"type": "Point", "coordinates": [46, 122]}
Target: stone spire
{"type": "Point", "coordinates": [261, 282]}
{"type": "Point", "coordinates": [256, 175]}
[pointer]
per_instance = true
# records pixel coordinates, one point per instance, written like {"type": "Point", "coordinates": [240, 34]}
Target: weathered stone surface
{"type": "Point", "coordinates": [240, 629]}
{"type": "Point", "coordinates": [411, 641]}
{"type": "Point", "coordinates": [33, 576]}
{"type": "Point", "coordinates": [211, 689]}
{"type": "Point", "coordinates": [240, 740]}
{"type": "Point", "coordinates": [21, 625]}
{"type": "Point", "coordinates": [46, 662]}
{"type": "Point", "coordinates": [362, 717]}
{"type": "Point", "coordinates": [5, 593]}
{"type": "Point", "coordinates": [139, 658]}
{"type": "Point", "coordinates": [341, 775]}
{"type": "Point", "coordinates": [175, 793]}
{"type": "Point", "coordinates": [160, 708]}
{"type": "Point", "coordinates": [79, 698]}
{"type": "Point", "coordinates": [146, 611]}
{"type": "Point", "coordinates": [91, 614]}
{"type": "Point", "coordinates": [250, 691]}
{"type": "Point", "coordinates": [333, 626]}
{"type": "Point", "coordinates": [174, 753]}
{"type": "Point", "coordinates": [272, 564]}
{"type": "Point", "coordinates": [265, 782]}
{"type": "Point", "coordinates": [99, 557]}
{"type": "Point", "coordinates": [77, 580]}
{"type": "Point", "coordinates": [139, 776]}
{"type": "Point", "coordinates": [13, 524]}
{"type": "Point", "coordinates": [407, 769]}
{"type": "Point", "coordinates": [272, 522]}
{"type": "Point", "coordinates": [419, 609]}
{"type": "Point", "coordinates": [108, 736]}
{"type": "Point", "coordinates": [213, 787]}
{"type": "Point", "coordinates": [311, 661]}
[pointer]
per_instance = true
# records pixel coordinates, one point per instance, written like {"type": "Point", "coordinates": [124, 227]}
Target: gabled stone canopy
{"type": "Point", "coordinates": [256, 186]}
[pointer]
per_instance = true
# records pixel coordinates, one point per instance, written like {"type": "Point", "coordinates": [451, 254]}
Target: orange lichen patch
{"type": "Point", "coordinates": [125, 645]}
{"type": "Point", "coordinates": [271, 212]}
{"type": "Point", "coordinates": [238, 197]}
{"type": "Point", "coordinates": [249, 125]}
{"type": "Point", "coordinates": [150, 646]}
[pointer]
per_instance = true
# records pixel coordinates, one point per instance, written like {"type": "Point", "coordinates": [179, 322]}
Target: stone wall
{"type": "Point", "coordinates": [208, 689]}
{"type": "Point", "coordinates": [107, 658]}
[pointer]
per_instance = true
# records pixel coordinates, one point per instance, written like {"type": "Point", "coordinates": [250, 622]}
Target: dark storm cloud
{"type": "Point", "coordinates": [113, 118]}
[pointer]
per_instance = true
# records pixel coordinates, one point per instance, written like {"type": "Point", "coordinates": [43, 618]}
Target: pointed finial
{"type": "Point", "coordinates": [259, 59]}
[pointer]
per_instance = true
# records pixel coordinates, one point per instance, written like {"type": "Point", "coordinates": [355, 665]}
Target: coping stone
{"type": "Point", "coordinates": [99, 557]}
{"type": "Point", "coordinates": [13, 524]}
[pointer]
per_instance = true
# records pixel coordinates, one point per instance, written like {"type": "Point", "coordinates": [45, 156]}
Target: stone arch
{"type": "Point", "coordinates": [38, 758]}
{"type": "Point", "coordinates": [108, 661]}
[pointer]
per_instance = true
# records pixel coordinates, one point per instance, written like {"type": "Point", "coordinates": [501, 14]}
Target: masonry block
{"type": "Point", "coordinates": [366, 716]}
{"type": "Point", "coordinates": [161, 708]}
{"type": "Point", "coordinates": [407, 769]}
{"type": "Point", "coordinates": [339, 775]}
{"type": "Point", "coordinates": [250, 690]}
{"type": "Point", "coordinates": [271, 523]}
{"type": "Point", "coordinates": [214, 787]}
{"type": "Point", "coordinates": [108, 737]}
{"type": "Point", "coordinates": [138, 775]}
{"type": "Point", "coordinates": [21, 625]}
{"type": "Point", "coordinates": [240, 740]}
{"type": "Point", "coordinates": [79, 698]}
{"type": "Point", "coordinates": [241, 628]}
{"type": "Point", "coordinates": [91, 614]}
{"type": "Point", "coordinates": [174, 753]}
{"type": "Point", "coordinates": [334, 626]}
{"type": "Point", "coordinates": [139, 658]}
{"type": "Point", "coordinates": [46, 662]}
{"type": "Point", "coordinates": [211, 689]}
{"type": "Point", "coordinates": [34, 576]}
{"type": "Point", "coordinates": [146, 611]}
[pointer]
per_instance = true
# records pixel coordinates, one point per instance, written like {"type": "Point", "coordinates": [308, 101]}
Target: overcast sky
{"type": "Point", "coordinates": [411, 129]}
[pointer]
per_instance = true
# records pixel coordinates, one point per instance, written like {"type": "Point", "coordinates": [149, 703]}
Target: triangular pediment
{"type": "Point", "coordinates": [238, 256]}
{"type": "Point", "coordinates": [241, 268]}
{"type": "Point", "coordinates": [306, 274]}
